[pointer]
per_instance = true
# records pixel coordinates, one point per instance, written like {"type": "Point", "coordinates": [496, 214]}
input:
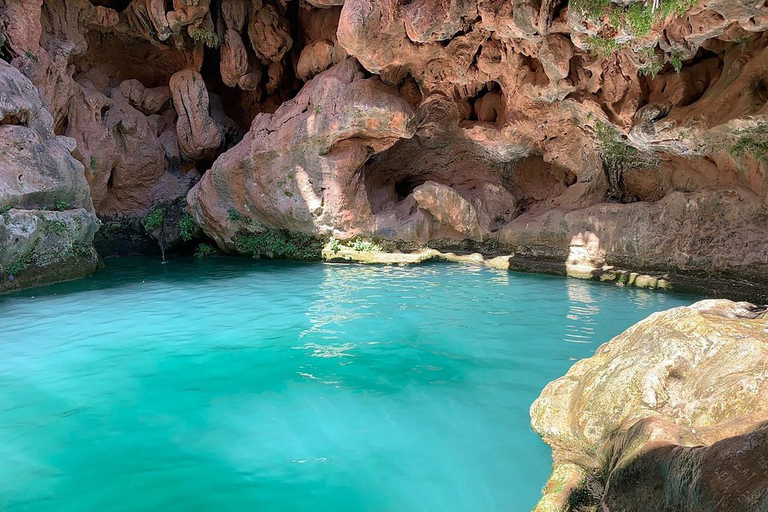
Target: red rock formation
{"type": "Point", "coordinates": [519, 113]}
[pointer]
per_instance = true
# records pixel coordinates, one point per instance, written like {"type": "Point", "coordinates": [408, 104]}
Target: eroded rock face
{"type": "Point", "coordinates": [38, 174]}
{"type": "Point", "coordinates": [533, 121]}
{"type": "Point", "coordinates": [669, 415]}
{"type": "Point", "coordinates": [299, 168]}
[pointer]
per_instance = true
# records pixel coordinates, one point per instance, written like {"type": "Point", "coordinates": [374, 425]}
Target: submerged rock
{"type": "Point", "coordinates": [670, 415]}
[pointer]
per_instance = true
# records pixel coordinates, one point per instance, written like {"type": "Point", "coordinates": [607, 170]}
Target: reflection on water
{"type": "Point", "coordinates": [236, 385]}
{"type": "Point", "coordinates": [582, 312]}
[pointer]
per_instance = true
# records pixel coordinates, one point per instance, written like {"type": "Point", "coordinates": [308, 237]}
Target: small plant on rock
{"type": "Point", "coordinates": [365, 246]}
{"type": "Point", "coordinates": [55, 227]}
{"type": "Point", "coordinates": [187, 227]}
{"type": "Point", "coordinates": [154, 219]}
{"type": "Point", "coordinates": [205, 251]}
{"type": "Point", "coordinates": [750, 146]}
{"type": "Point", "coordinates": [334, 245]}
{"type": "Point", "coordinates": [61, 205]}
{"type": "Point", "coordinates": [207, 36]}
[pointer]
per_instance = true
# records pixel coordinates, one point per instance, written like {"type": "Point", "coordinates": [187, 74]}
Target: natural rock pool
{"type": "Point", "coordinates": [234, 385]}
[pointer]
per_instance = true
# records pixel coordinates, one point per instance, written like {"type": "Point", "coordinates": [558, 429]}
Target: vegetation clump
{"type": "Point", "coordinates": [154, 219]}
{"type": "Point", "coordinates": [618, 157]}
{"type": "Point", "coordinates": [365, 246]}
{"type": "Point", "coordinates": [334, 244]}
{"type": "Point", "coordinates": [205, 250]}
{"type": "Point", "coordinates": [234, 215]}
{"type": "Point", "coordinates": [21, 263]}
{"type": "Point", "coordinates": [358, 244]}
{"type": "Point", "coordinates": [637, 19]}
{"type": "Point", "coordinates": [207, 36]}
{"type": "Point", "coordinates": [279, 244]}
{"type": "Point", "coordinates": [750, 146]}
{"type": "Point", "coordinates": [55, 227]}
{"type": "Point", "coordinates": [187, 227]}
{"type": "Point", "coordinates": [4, 212]}
{"type": "Point", "coordinates": [61, 205]}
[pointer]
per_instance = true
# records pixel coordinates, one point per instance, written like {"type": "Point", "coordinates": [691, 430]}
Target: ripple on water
{"type": "Point", "coordinates": [234, 384]}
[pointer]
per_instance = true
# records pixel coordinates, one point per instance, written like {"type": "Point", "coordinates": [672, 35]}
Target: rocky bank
{"type": "Point", "coordinates": [671, 415]}
{"type": "Point", "coordinates": [588, 137]}
{"type": "Point", "coordinates": [620, 140]}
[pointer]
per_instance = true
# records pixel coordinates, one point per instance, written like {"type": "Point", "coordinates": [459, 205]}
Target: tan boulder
{"type": "Point", "coordinates": [448, 208]}
{"type": "Point", "coordinates": [669, 415]}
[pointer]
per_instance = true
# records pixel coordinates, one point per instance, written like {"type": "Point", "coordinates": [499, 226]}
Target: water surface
{"type": "Point", "coordinates": [231, 385]}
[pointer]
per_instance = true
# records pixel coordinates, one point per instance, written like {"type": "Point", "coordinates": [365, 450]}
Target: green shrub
{"type": "Point", "coordinates": [640, 19]}
{"type": "Point", "coordinates": [592, 8]}
{"type": "Point", "coordinates": [676, 7]}
{"type": "Point", "coordinates": [61, 205]}
{"type": "Point", "coordinates": [31, 56]}
{"type": "Point", "coordinates": [234, 215]}
{"type": "Point", "coordinates": [748, 145]}
{"type": "Point", "coordinates": [205, 251]}
{"type": "Point", "coordinates": [187, 227]}
{"type": "Point", "coordinates": [207, 36]}
{"type": "Point", "coordinates": [615, 152]}
{"type": "Point", "coordinates": [22, 263]}
{"type": "Point", "coordinates": [279, 244]}
{"type": "Point", "coordinates": [652, 68]}
{"type": "Point", "coordinates": [334, 245]}
{"type": "Point", "coordinates": [154, 219]}
{"type": "Point", "coordinates": [618, 157]}
{"type": "Point", "coordinates": [603, 47]}
{"type": "Point", "coordinates": [365, 246]}
{"type": "Point", "coordinates": [4, 212]}
{"type": "Point", "coordinates": [676, 59]}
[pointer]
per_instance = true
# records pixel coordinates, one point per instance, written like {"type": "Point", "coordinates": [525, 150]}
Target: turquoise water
{"type": "Point", "coordinates": [231, 385]}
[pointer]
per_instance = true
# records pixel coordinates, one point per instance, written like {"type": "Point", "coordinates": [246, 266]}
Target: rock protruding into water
{"type": "Point", "coordinates": [47, 220]}
{"type": "Point", "coordinates": [299, 168]}
{"type": "Point", "coordinates": [670, 415]}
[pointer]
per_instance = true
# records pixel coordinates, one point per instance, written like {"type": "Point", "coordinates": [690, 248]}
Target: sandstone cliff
{"type": "Point", "coordinates": [668, 416]}
{"type": "Point", "coordinates": [525, 126]}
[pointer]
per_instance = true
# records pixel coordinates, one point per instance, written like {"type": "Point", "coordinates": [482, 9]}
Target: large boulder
{"type": "Point", "coordinates": [37, 175]}
{"type": "Point", "coordinates": [299, 168]}
{"type": "Point", "coordinates": [670, 415]}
